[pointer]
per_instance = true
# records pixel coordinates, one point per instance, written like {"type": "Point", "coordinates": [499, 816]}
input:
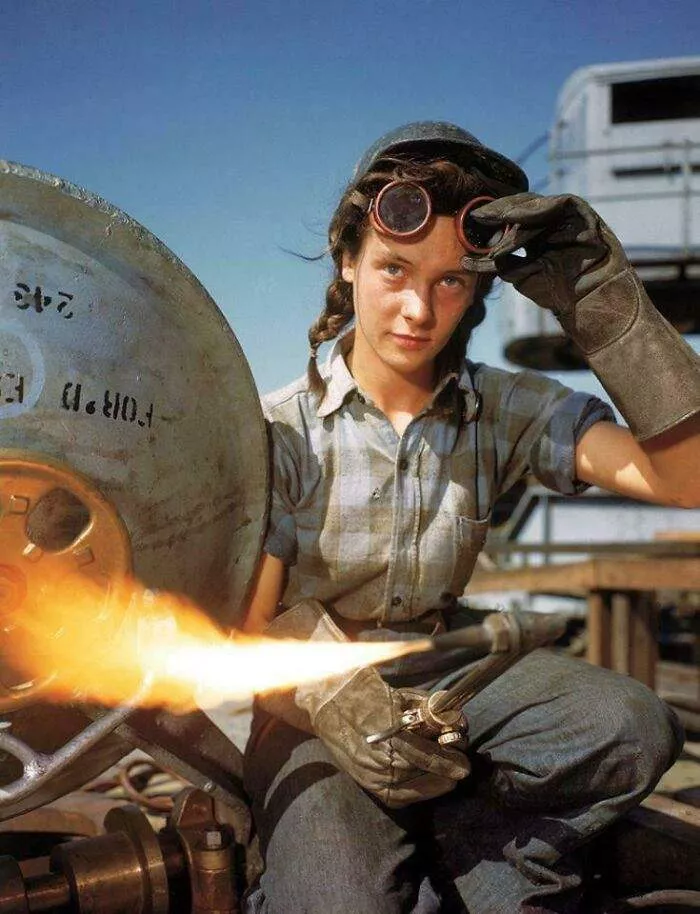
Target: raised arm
{"type": "Point", "coordinates": [575, 267]}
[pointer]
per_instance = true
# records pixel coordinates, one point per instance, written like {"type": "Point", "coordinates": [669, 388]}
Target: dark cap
{"type": "Point", "coordinates": [441, 139]}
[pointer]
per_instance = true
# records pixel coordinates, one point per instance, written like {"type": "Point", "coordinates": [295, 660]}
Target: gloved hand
{"type": "Point", "coordinates": [344, 710]}
{"type": "Point", "coordinates": [576, 267]}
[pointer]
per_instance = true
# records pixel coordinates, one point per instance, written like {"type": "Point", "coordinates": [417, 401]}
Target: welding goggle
{"type": "Point", "coordinates": [403, 210]}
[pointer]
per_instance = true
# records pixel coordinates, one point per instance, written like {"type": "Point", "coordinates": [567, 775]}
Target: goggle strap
{"type": "Point", "coordinates": [361, 201]}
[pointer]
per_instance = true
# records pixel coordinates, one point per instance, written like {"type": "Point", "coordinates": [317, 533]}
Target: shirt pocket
{"type": "Point", "coordinates": [469, 536]}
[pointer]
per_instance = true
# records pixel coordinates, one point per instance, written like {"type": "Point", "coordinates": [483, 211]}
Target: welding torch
{"type": "Point", "coordinates": [505, 637]}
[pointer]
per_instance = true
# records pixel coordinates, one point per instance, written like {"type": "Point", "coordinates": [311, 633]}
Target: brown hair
{"type": "Point", "coordinates": [449, 187]}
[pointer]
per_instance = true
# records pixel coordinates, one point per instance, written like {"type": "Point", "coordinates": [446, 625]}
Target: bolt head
{"type": "Point", "coordinates": [213, 839]}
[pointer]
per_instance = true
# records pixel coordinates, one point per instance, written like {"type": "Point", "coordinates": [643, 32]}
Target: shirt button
{"type": "Point", "coordinates": [403, 464]}
{"type": "Point", "coordinates": [396, 601]}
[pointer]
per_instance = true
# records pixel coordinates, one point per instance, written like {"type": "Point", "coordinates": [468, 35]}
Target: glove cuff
{"type": "Point", "coordinates": [305, 621]}
{"type": "Point", "coordinates": [650, 372]}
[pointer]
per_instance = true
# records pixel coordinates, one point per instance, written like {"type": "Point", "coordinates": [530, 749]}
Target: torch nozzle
{"type": "Point", "coordinates": [500, 641]}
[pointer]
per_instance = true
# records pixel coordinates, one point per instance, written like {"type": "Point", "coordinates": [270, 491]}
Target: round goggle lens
{"type": "Point", "coordinates": [477, 238]}
{"type": "Point", "coordinates": [402, 209]}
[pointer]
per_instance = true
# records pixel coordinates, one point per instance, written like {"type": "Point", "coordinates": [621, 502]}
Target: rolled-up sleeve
{"type": "Point", "coordinates": [538, 424]}
{"type": "Point", "coordinates": [553, 455]}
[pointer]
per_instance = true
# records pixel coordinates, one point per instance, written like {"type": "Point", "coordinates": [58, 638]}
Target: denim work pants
{"type": "Point", "coordinates": [559, 749]}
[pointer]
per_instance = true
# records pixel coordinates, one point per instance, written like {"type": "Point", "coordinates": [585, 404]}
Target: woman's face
{"type": "Point", "coordinates": [409, 296]}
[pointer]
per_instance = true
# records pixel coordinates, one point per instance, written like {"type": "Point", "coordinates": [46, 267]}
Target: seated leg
{"type": "Point", "coordinates": [564, 749]}
{"type": "Point", "coordinates": [328, 846]}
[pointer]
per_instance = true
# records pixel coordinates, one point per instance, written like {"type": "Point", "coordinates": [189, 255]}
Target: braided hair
{"type": "Point", "coordinates": [449, 186]}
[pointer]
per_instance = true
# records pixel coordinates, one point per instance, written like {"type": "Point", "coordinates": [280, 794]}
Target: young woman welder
{"type": "Point", "coordinates": [387, 463]}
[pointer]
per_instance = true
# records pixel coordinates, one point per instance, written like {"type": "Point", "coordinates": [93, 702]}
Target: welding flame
{"type": "Point", "coordinates": [93, 646]}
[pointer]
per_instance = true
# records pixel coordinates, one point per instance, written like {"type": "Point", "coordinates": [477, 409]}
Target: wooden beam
{"type": "Point", "coordinates": [598, 629]}
{"type": "Point", "coordinates": [576, 578]}
{"type": "Point", "coordinates": [643, 643]}
{"type": "Point", "coordinates": [621, 605]}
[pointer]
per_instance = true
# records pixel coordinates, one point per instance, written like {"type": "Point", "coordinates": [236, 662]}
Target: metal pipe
{"type": "Point", "coordinates": [474, 681]}
{"type": "Point", "coordinates": [617, 150]}
{"type": "Point", "coordinates": [474, 637]}
{"type": "Point", "coordinates": [513, 635]}
{"type": "Point", "coordinates": [50, 892]}
{"type": "Point", "coordinates": [687, 898]}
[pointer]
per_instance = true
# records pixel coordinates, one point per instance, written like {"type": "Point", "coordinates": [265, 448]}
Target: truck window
{"type": "Point", "coordinates": [675, 97]}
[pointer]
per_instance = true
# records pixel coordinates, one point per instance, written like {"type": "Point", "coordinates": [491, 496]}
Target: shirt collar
{"type": "Point", "coordinates": [472, 397]}
{"type": "Point", "coordinates": [340, 383]}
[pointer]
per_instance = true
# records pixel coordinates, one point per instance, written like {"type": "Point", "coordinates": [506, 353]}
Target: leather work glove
{"type": "Point", "coordinates": [576, 267]}
{"type": "Point", "coordinates": [344, 710]}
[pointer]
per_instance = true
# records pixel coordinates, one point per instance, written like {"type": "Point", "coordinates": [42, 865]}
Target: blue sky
{"type": "Point", "coordinates": [229, 128]}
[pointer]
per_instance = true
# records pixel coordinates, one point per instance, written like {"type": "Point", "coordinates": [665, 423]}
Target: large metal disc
{"type": "Point", "coordinates": [116, 366]}
{"type": "Point", "coordinates": [115, 361]}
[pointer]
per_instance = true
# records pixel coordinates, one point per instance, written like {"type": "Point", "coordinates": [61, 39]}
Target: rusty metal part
{"type": "Point", "coordinates": [192, 747]}
{"type": "Point", "coordinates": [13, 894]}
{"type": "Point", "coordinates": [131, 821]}
{"type": "Point", "coordinates": [47, 728]}
{"type": "Point", "coordinates": [77, 815]}
{"type": "Point", "coordinates": [209, 850]}
{"type": "Point", "coordinates": [188, 868]}
{"type": "Point", "coordinates": [119, 871]}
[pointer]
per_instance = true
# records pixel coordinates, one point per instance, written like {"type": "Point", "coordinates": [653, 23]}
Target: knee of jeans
{"type": "Point", "coordinates": [609, 738]}
{"type": "Point", "coordinates": [640, 732]}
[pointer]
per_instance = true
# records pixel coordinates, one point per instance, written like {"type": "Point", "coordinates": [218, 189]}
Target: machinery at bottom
{"type": "Point", "coordinates": [191, 865]}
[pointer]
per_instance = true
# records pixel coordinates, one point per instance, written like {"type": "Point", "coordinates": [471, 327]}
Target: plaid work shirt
{"type": "Point", "coordinates": [387, 527]}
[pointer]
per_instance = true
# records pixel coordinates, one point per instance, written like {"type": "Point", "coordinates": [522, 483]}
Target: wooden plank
{"type": "Point", "coordinates": [620, 628]}
{"type": "Point", "coordinates": [678, 677]}
{"type": "Point", "coordinates": [598, 627]}
{"type": "Point", "coordinates": [575, 578]}
{"type": "Point", "coordinates": [644, 650]}
{"type": "Point", "coordinates": [678, 536]}
{"type": "Point", "coordinates": [672, 547]}
{"type": "Point", "coordinates": [674, 809]}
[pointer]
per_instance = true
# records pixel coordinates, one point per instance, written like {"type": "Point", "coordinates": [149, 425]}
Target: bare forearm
{"type": "Point", "coordinates": [266, 594]}
{"type": "Point", "coordinates": [675, 458]}
{"type": "Point", "coordinates": [664, 469]}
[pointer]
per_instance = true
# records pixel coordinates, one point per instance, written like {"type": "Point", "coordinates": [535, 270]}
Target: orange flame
{"type": "Point", "coordinates": [85, 645]}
